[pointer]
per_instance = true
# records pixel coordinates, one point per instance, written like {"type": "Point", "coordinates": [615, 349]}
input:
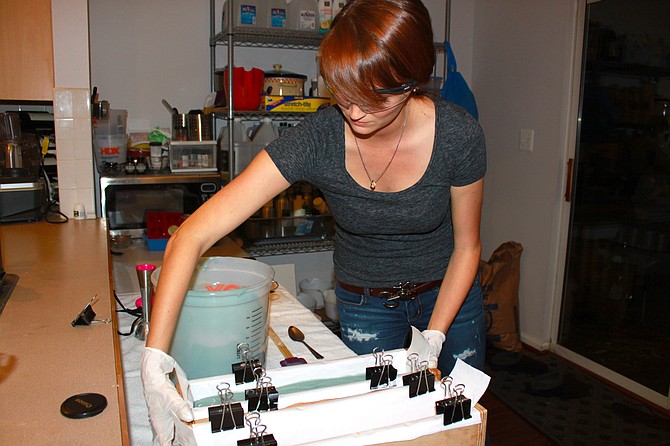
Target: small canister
{"type": "Point", "coordinates": [179, 127]}
{"type": "Point", "coordinates": [199, 126]}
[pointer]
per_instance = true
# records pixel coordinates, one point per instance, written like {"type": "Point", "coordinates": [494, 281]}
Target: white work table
{"type": "Point", "coordinates": [285, 310]}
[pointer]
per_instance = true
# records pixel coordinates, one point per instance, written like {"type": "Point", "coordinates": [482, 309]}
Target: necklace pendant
{"type": "Point", "coordinates": [373, 185]}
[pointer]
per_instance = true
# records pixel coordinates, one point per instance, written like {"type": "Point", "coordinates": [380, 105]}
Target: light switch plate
{"type": "Point", "coordinates": [526, 140]}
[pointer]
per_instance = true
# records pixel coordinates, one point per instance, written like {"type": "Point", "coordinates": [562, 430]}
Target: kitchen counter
{"type": "Point", "coordinates": [44, 359]}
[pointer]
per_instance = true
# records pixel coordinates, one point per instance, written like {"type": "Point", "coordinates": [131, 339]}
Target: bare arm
{"type": "Point", "coordinates": [466, 209]}
{"type": "Point", "coordinates": [215, 219]}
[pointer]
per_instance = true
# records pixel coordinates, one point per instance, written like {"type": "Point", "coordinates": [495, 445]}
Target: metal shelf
{"type": "Point", "coordinates": [258, 115]}
{"type": "Point", "coordinates": [269, 38]}
{"type": "Point", "coordinates": [278, 38]}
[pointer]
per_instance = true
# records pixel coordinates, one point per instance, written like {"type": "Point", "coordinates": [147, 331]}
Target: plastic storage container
{"type": "Point", "coordinates": [193, 156]}
{"type": "Point", "coordinates": [241, 144]}
{"type": "Point", "coordinates": [115, 124]}
{"type": "Point", "coordinates": [110, 141]}
{"type": "Point", "coordinates": [110, 150]}
{"type": "Point", "coordinates": [212, 323]}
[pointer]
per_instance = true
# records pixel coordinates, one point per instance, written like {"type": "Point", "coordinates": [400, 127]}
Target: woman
{"type": "Point", "coordinates": [403, 178]}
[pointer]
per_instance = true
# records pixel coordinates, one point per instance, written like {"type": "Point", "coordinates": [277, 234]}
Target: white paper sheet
{"type": "Point", "coordinates": [349, 414]}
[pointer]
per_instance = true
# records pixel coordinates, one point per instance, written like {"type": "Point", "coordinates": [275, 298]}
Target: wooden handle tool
{"type": "Point", "coordinates": [290, 359]}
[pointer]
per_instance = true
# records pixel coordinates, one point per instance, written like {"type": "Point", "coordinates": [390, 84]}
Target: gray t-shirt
{"type": "Point", "coordinates": [383, 238]}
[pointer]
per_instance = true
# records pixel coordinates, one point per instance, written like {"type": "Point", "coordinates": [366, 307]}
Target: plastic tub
{"type": "Point", "coordinates": [110, 149]}
{"type": "Point", "coordinates": [115, 124]}
{"type": "Point", "coordinates": [214, 321]}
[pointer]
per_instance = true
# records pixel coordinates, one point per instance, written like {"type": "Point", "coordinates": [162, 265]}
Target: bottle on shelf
{"type": "Point", "coordinates": [241, 145]}
{"type": "Point", "coordinates": [298, 205]}
{"type": "Point", "coordinates": [325, 15]}
{"type": "Point", "coordinates": [247, 13]}
{"type": "Point", "coordinates": [321, 206]}
{"type": "Point", "coordinates": [304, 15]}
{"type": "Point", "coordinates": [264, 135]}
{"type": "Point", "coordinates": [282, 208]}
{"type": "Point", "coordinates": [277, 13]}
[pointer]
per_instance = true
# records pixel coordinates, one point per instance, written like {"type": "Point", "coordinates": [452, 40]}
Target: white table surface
{"type": "Point", "coordinates": [285, 310]}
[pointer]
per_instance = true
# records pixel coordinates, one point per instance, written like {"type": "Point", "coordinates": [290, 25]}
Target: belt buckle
{"type": "Point", "coordinates": [405, 291]}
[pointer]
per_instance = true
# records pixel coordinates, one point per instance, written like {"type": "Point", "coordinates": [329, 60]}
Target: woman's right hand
{"type": "Point", "coordinates": [168, 410]}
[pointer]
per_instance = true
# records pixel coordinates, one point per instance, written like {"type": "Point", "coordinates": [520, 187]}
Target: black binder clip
{"type": "Point", "coordinates": [87, 316]}
{"type": "Point", "coordinates": [441, 405]}
{"type": "Point", "coordinates": [244, 371]}
{"type": "Point", "coordinates": [228, 415]}
{"type": "Point", "coordinates": [420, 382]}
{"type": "Point", "coordinates": [386, 375]}
{"type": "Point", "coordinates": [369, 371]}
{"type": "Point", "coordinates": [457, 407]}
{"type": "Point", "coordinates": [265, 396]}
{"type": "Point", "coordinates": [257, 435]}
{"type": "Point", "coordinates": [413, 362]}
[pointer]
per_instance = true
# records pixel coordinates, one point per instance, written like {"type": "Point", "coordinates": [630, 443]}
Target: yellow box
{"type": "Point", "coordinates": [295, 104]}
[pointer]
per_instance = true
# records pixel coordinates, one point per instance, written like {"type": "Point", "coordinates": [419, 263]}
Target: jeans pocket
{"type": "Point", "coordinates": [347, 298]}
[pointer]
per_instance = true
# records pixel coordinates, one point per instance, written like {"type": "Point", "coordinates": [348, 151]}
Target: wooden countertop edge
{"type": "Point", "coordinates": [123, 412]}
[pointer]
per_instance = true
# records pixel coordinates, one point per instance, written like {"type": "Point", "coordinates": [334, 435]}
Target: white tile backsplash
{"type": "Point", "coordinates": [85, 196]}
{"type": "Point", "coordinates": [63, 103]}
{"type": "Point", "coordinates": [64, 129]}
{"type": "Point", "coordinates": [72, 114]}
{"type": "Point", "coordinates": [67, 174]}
{"type": "Point", "coordinates": [81, 103]}
{"type": "Point", "coordinates": [83, 174]}
{"type": "Point", "coordinates": [65, 149]}
{"type": "Point", "coordinates": [82, 129]}
{"type": "Point", "coordinates": [67, 198]}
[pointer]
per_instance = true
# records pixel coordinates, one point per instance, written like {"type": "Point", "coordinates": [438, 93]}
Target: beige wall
{"type": "Point", "coordinates": [522, 68]}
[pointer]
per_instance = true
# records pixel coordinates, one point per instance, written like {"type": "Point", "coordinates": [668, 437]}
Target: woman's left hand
{"type": "Point", "coordinates": [435, 340]}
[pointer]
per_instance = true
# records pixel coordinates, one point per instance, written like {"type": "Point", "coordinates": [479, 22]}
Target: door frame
{"type": "Point", "coordinates": [572, 133]}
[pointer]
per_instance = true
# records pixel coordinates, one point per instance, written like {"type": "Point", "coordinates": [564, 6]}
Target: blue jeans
{"type": "Point", "coordinates": [366, 324]}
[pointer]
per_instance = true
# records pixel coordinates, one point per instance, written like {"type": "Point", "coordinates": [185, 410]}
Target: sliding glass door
{"type": "Point", "coordinates": [616, 297]}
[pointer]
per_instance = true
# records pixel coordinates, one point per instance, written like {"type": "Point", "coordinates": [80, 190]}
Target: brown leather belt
{"type": "Point", "coordinates": [411, 289]}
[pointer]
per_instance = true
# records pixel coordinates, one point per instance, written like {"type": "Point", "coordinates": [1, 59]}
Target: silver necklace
{"type": "Point", "coordinates": [373, 183]}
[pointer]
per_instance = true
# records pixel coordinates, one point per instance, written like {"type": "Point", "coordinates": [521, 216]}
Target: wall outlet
{"type": "Point", "coordinates": [526, 140]}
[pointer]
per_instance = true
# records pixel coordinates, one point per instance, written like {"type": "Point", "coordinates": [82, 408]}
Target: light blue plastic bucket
{"type": "Point", "coordinates": [214, 321]}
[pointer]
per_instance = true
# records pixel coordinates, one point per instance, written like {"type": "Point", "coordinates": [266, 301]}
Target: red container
{"type": "Point", "coordinates": [247, 87]}
{"type": "Point", "coordinates": [159, 223]}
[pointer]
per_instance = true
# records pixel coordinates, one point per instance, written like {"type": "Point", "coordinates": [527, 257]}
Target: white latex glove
{"type": "Point", "coordinates": [168, 411]}
{"type": "Point", "coordinates": [435, 340]}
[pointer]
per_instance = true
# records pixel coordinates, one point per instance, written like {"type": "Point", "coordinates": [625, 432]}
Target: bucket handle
{"type": "Point", "coordinates": [274, 285]}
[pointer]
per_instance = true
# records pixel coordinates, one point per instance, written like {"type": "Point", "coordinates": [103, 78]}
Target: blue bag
{"type": "Point", "coordinates": [455, 87]}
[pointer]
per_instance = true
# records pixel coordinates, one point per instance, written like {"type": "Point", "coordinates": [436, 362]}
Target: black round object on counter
{"type": "Point", "coordinates": [83, 405]}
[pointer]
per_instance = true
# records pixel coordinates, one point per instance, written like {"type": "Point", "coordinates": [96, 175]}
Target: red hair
{"type": "Point", "coordinates": [377, 44]}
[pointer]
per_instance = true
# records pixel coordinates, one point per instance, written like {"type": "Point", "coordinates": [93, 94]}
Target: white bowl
{"type": "Point", "coordinates": [316, 286]}
{"type": "Point", "coordinates": [307, 301]}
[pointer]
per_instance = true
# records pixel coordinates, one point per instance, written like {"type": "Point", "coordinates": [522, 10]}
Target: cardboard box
{"type": "Point", "coordinates": [295, 104]}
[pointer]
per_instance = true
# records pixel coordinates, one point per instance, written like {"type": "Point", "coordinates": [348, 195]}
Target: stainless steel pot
{"type": "Point", "coordinates": [284, 83]}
